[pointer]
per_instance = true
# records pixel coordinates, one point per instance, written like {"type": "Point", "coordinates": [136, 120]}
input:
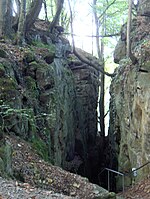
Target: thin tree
{"type": "Point", "coordinates": [129, 52]}
{"type": "Point", "coordinates": [1, 16]}
{"type": "Point", "coordinates": [21, 25]}
{"type": "Point", "coordinates": [45, 8]}
{"type": "Point", "coordinates": [33, 13]}
{"type": "Point", "coordinates": [55, 21]}
{"type": "Point", "coordinates": [100, 53]}
{"type": "Point", "coordinates": [129, 29]}
{"type": "Point", "coordinates": [6, 17]}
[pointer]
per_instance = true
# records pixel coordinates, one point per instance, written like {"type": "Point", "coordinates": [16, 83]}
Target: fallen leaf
{"type": "Point", "coordinates": [76, 185]}
{"type": "Point", "coordinates": [49, 180]}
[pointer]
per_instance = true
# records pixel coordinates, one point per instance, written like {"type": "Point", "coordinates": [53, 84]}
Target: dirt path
{"type": "Point", "coordinates": [40, 179]}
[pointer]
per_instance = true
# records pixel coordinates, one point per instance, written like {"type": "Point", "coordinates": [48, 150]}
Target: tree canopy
{"type": "Point", "coordinates": [13, 12]}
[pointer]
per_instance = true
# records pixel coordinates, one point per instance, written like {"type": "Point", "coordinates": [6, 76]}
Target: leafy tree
{"type": "Point", "coordinates": [23, 22]}
{"type": "Point", "coordinates": [109, 16]}
{"type": "Point", "coordinates": [100, 53]}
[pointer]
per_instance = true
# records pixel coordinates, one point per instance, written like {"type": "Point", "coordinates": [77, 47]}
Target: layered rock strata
{"type": "Point", "coordinates": [130, 101]}
{"type": "Point", "coordinates": [49, 98]}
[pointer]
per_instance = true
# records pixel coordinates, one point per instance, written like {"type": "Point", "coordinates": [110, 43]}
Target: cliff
{"type": "Point", "coordinates": [129, 134]}
{"type": "Point", "coordinates": [48, 114]}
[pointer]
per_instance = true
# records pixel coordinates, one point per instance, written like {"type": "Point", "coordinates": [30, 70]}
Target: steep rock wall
{"type": "Point", "coordinates": [49, 97]}
{"type": "Point", "coordinates": [130, 102]}
{"type": "Point", "coordinates": [87, 142]}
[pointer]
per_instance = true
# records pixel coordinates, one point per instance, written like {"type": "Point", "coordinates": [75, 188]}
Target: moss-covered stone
{"type": "Point", "coordinates": [8, 88]}
{"type": "Point", "coordinates": [50, 55]}
{"type": "Point", "coordinates": [30, 83]}
{"type": "Point", "coordinates": [49, 58]}
{"type": "Point", "coordinates": [2, 70]}
{"type": "Point", "coordinates": [48, 89]}
{"type": "Point", "coordinates": [29, 56]}
{"type": "Point", "coordinates": [3, 53]}
{"type": "Point", "coordinates": [33, 65]}
{"type": "Point", "coordinates": [7, 84]}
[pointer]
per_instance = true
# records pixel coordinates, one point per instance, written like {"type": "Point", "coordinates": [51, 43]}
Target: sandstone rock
{"type": "Point", "coordinates": [120, 51]}
{"type": "Point", "coordinates": [130, 103]}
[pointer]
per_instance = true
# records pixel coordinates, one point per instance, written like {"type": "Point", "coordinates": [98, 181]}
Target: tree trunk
{"type": "Point", "coordinates": [45, 8]}
{"type": "Point", "coordinates": [129, 29]}
{"type": "Point", "coordinates": [59, 7]}
{"type": "Point", "coordinates": [21, 25]}
{"type": "Point", "coordinates": [5, 17]}
{"type": "Point", "coordinates": [1, 16]}
{"type": "Point", "coordinates": [33, 13]}
{"type": "Point", "coordinates": [100, 52]}
{"type": "Point", "coordinates": [8, 19]}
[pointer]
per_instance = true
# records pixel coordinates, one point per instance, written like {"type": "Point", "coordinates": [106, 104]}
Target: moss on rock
{"type": "Point", "coordinates": [40, 146]}
{"type": "Point", "coordinates": [3, 53]}
{"type": "Point", "coordinates": [29, 56]}
{"type": "Point", "coordinates": [8, 88]}
{"type": "Point", "coordinates": [30, 83]}
{"type": "Point", "coordinates": [2, 70]}
{"type": "Point", "coordinates": [6, 160]}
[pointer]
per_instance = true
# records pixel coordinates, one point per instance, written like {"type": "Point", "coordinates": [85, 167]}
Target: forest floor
{"type": "Point", "coordinates": [140, 190]}
{"type": "Point", "coordinates": [41, 180]}
{"type": "Point", "coordinates": [10, 189]}
{"type": "Point", "coordinates": [37, 179]}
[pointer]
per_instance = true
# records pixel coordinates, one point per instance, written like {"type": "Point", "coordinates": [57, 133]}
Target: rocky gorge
{"type": "Point", "coordinates": [48, 114]}
{"type": "Point", "coordinates": [48, 98]}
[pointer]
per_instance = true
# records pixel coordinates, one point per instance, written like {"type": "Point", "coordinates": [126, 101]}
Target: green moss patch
{"type": "Point", "coordinates": [2, 70]}
{"type": "Point", "coordinates": [29, 56]}
{"type": "Point", "coordinates": [40, 146]}
{"type": "Point", "coordinates": [3, 54]}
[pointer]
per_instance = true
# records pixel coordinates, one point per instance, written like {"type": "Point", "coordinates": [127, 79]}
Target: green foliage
{"type": "Point", "coordinates": [2, 70]}
{"type": "Point", "coordinates": [113, 13]}
{"type": "Point", "coordinates": [39, 44]}
{"type": "Point", "coordinates": [6, 112]}
{"type": "Point", "coordinates": [29, 56]}
{"type": "Point", "coordinates": [10, 117]}
{"type": "Point", "coordinates": [40, 146]}
{"type": "Point", "coordinates": [65, 20]}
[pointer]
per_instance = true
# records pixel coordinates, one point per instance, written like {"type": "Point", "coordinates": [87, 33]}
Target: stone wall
{"type": "Point", "coordinates": [130, 103]}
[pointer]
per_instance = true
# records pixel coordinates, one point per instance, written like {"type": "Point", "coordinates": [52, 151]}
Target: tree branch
{"type": "Point", "coordinates": [102, 36]}
{"type": "Point", "coordinates": [83, 59]}
{"type": "Point", "coordinates": [106, 9]}
{"type": "Point", "coordinates": [59, 7]}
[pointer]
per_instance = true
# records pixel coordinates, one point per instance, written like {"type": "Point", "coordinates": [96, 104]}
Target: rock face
{"type": "Point", "coordinates": [144, 8]}
{"type": "Point", "coordinates": [130, 104]}
{"type": "Point", "coordinates": [86, 140]}
{"type": "Point", "coordinates": [50, 99]}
